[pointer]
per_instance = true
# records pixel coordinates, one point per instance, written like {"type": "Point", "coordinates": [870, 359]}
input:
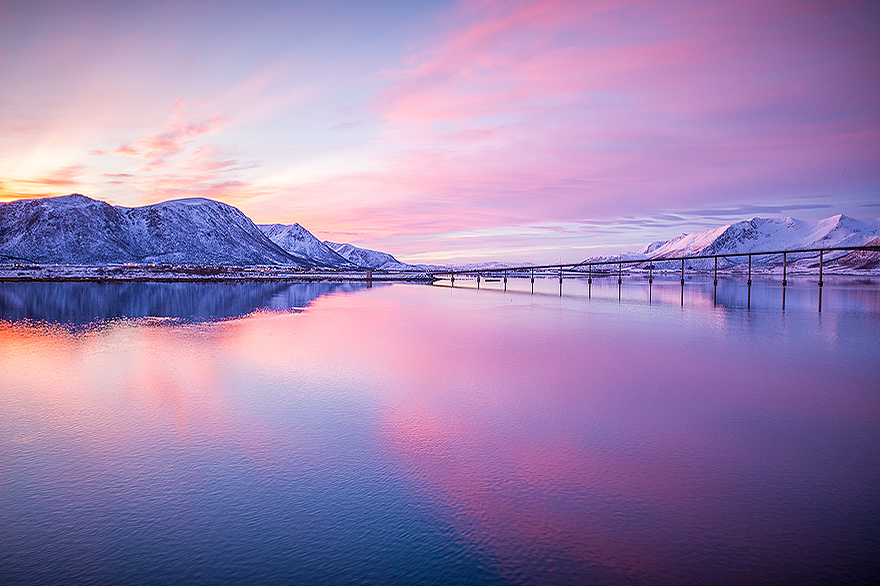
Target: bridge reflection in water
{"type": "Point", "coordinates": [860, 294]}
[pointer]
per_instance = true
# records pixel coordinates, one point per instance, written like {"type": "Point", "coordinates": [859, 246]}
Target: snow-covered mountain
{"type": "Point", "coordinates": [759, 235]}
{"type": "Point", "coordinates": [297, 240]}
{"type": "Point", "coordinates": [860, 260]}
{"type": "Point", "coordinates": [369, 259]}
{"type": "Point", "coordinates": [78, 230]}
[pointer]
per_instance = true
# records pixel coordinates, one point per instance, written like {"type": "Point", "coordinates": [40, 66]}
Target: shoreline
{"type": "Point", "coordinates": [299, 279]}
{"type": "Point", "coordinates": [116, 274]}
{"type": "Point", "coordinates": [389, 278]}
{"type": "Point", "coordinates": [16, 273]}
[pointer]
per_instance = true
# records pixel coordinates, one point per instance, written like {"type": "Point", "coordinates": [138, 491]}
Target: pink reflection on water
{"type": "Point", "coordinates": [620, 429]}
{"type": "Point", "coordinates": [557, 432]}
{"type": "Point", "coordinates": [116, 385]}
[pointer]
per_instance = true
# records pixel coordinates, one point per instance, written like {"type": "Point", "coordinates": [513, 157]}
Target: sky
{"type": "Point", "coordinates": [451, 131]}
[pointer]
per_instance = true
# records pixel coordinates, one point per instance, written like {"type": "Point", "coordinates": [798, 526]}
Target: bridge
{"type": "Point", "coordinates": [606, 268]}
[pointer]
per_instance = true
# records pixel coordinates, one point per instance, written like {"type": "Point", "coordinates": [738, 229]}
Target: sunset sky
{"type": "Point", "coordinates": [517, 130]}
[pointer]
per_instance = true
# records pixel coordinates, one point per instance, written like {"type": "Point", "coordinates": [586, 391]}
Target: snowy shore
{"type": "Point", "coordinates": [167, 273]}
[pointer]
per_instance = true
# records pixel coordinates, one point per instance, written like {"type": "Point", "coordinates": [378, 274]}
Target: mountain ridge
{"type": "Point", "coordinates": [295, 239]}
{"type": "Point", "coordinates": [757, 235]}
{"type": "Point", "coordinates": [75, 229]}
{"type": "Point", "coordinates": [370, 259]}
{"type": "Point", "coordinates": [81, 231]}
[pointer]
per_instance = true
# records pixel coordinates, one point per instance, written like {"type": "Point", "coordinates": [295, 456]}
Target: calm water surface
{"type": "Point", "coordinates": [337, 434]}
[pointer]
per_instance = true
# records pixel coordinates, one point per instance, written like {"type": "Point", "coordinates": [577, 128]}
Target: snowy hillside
{"type": "Point", "coordinates": [369, 259]}
{"type": "Point", "coordinates": [859, 260]}
{"type": "Point", "coordinates": [758, 235]}
{"type": "Point", "coordinates": [297, 240]}
{"type": "Point", "coordinates": [78, 230]}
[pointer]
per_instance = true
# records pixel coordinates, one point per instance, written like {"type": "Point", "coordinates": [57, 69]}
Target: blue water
{"type": "Point", "coordinates": [337, 434]}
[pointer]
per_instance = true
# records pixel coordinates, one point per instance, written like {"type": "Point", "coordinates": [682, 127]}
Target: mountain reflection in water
{"type": "Point", "coordinates": [78, 304]}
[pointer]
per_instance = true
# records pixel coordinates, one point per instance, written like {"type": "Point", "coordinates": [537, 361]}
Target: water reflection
{"type": "Point", "coordinates": [766, 293]}
{"type": "Point", "coordinates": [422, 435]}
{"type": "Point", "coordinates": [83, 303]}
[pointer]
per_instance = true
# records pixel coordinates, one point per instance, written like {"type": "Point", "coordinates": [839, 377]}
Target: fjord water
{"type": "Point", "coordinates": [338, 434]}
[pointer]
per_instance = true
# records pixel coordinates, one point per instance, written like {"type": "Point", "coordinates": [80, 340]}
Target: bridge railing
{"type": "Point", "coordinates": [601, 267]}
{"type": "Point", "coordinates": [605, 268]}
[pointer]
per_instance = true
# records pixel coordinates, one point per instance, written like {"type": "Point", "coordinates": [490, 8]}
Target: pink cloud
{"type": "Point", "coordinates": [64, 177]}
{"type": "Point", "coordinates": [544, 113]}
{"type": "Point", "coordinates": [178, 162]}
{"type": "Point", "coordinates": [58, 181]}
{"type": "Point", "coordinates": [508, 115]}
{"type": "Point", "coordinates": [563, 110]}
{"type": "Point", "coordinates": [182, 130]}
